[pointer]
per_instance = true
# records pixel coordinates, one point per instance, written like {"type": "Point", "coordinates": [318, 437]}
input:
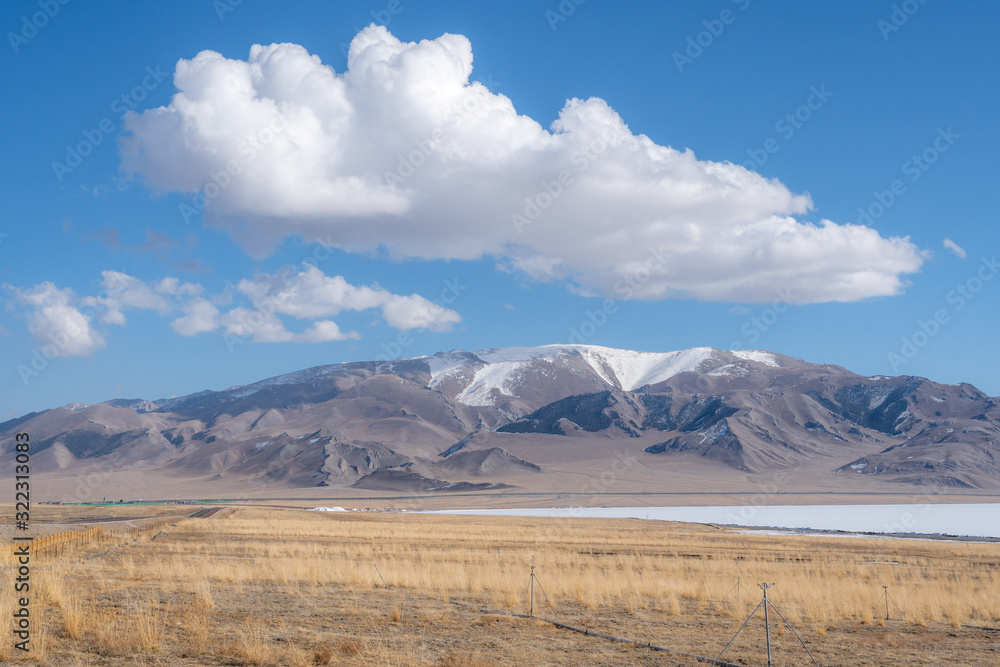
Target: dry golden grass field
{"type": "Point", "coordinates": [253, 586]}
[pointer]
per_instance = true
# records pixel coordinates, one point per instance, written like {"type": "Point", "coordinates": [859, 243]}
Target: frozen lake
{"type": "Point", "coordinates": [965, 520]}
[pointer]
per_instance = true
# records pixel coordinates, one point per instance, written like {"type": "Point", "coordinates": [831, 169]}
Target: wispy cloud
{"type": "Point", "coordinates": [955, 248]}
{"type": "Point", "coordinates": [108, 236]}
{"type": "Point", "coordinates": [160, 245]}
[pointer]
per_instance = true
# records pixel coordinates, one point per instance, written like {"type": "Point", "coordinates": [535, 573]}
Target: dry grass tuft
{"type": "Point", "coordinates": [250, 646]}
{"type": "Point", "coordinates": [72, 614]}
{"type": "Point", "coordinates": [455, 659]}
{"type": "Point", "coordinates": [195, 622]}
{"type": "Point", "coordinates": [347, 647]}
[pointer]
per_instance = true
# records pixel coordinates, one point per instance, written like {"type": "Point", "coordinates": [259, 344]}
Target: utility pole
{"type": "Point", "coordinates": [767, 624]}
{"type": "Point", "coordinates": [886, 589]}
{"type": "Point", "coordinates": [531, 588]}
{"type": "Point", "coordinates": [765, 603]}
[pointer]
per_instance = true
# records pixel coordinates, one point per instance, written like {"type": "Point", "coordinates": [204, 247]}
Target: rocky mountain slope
{"type": "Point", "coordinates": [530, 417]}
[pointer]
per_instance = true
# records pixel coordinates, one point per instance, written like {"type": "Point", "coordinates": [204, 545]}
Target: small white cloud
{"type": "Point", "coordinates": [311, 294]}
{"type": "Point", "coordinates": [322, 331]}
{"type": "Point", "coordinates": [174, 287]}
{"type": "Point", "coordinates": [508, 306]}
{"type": "Point", "coordinates": [416, 312]}
{"type": "Point", "coordinates": [955, 248]}
{"type": "Point", "coordinates": [122, 291]}
{"type": "Point", "coordinates": [739, 310]}
{"type": "Point", "coordinates": [268, 328]}
{"type": "Point", "coordinates": [54, 320]}
{"type": "Point", "coordinates": [263, 327]}
{"type": "Point", "coordinates": [200, 316]}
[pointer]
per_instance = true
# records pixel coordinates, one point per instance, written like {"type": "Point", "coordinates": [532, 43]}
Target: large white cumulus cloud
{"type": "Point", "coordinates": [402, 154]}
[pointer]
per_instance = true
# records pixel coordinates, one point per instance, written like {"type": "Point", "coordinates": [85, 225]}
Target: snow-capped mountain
{"type": "Point", "coordinates": [534, 416]}
{"type": "Point", "coordinates": [491, 377]}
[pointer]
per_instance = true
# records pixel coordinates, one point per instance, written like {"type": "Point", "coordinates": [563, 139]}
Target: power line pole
{"type": "Point", "coordinates": [765, 603]}
{"type": "Point", "coordinates": [767, 624]}
{"type": "Point", "coordinates": [531, 588]}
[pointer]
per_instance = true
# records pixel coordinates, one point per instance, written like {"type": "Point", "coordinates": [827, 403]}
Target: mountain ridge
{"type": "Point", "coordinates": [526, 416]}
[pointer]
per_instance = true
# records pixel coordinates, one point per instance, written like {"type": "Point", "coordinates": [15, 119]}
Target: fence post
{"type": "Point", "coordinates": [531, 609]}
{"type": "Point", "coordinates": [379, 573]}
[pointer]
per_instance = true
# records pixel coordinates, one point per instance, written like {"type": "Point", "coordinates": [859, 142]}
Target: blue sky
{"type": "Point", "coordinates": [437, 260]}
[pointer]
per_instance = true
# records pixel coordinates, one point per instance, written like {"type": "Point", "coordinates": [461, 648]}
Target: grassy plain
{"type": "Point", "coordinates": [253, 586]}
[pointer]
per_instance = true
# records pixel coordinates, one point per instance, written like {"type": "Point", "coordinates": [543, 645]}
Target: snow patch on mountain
{"type": "Point", "coordinates": [636, 369]}
{"type": "Point", "coordinates": [878, 397]}
{"type": "Point", "coordinates": [503, 376]}
{"type": "Point", "coordinates": [715, 433]}
{"type": "Point", "coordinates": [760, 356]}
{"type": "Point", "coordinates": [505, 367]}
{"type": "Point", "coordinates": [727, 370]}
{"type": "Point", "coordinates": [627, 369]}
{"type": "Point", "coordinates": [444, 365]}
